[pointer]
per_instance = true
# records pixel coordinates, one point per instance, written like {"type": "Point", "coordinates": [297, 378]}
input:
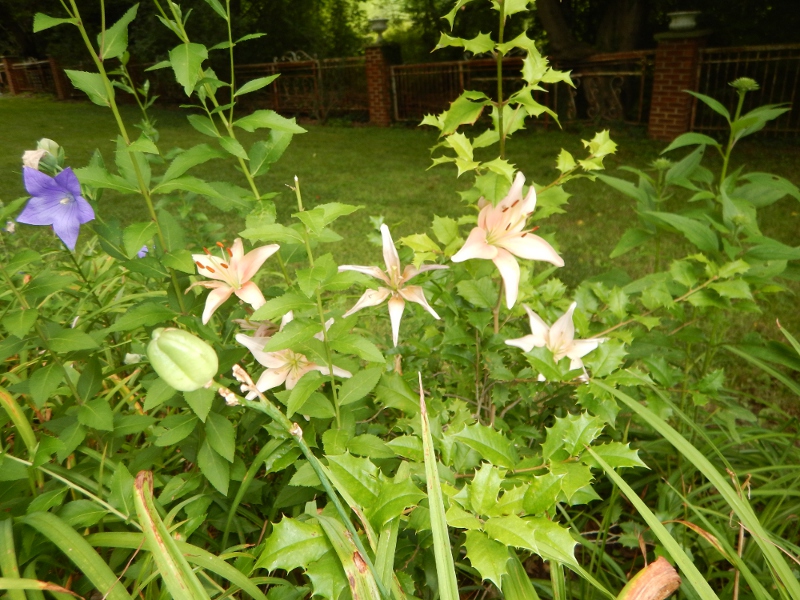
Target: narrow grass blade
{"type": "Point", "coordinates": [20, 422]}
{"type": "Point", "coordinates": [445, 569]}
{"type": "Point", "coordinates": [362, 584]}
{"type": "Point", "coordinates": [516, 584]}
{"type": "Point", "coordinates": [690, 572]}
{"type": "Point", "coordinates": [795, 344]}
{"type": "Point", "coordinates": [30, 573]}
{"type": "Point", "coordinates": [8, 560]}
{"type": "Point", "coordinates": [16, 586]}
{"type": "Point", "coordinates": [739, 505]}
{"type": "Point", "coordinates": [792, 385]}
{"type": "Point", "coordinates": [273, 446]}
{"type": "Point", "coordinates": [176, 573]}
{"type": "Point", "coordinates": [196, 556]}
{"type": "Point", "coordinates": [78, 550]}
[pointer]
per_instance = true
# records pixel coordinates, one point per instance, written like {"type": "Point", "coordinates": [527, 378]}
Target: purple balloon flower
{"type": "Point", "coordinates": [56, 201]}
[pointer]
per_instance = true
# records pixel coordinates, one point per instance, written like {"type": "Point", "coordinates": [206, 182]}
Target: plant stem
{"type": "Point", "coordinates": [320, 310]}
{"type": "Point", "coordinates": [500, 104]}
{"type": "Point", "coordinates": [731, 141]}
{"type": "Point", "coordinates": [143, 187]}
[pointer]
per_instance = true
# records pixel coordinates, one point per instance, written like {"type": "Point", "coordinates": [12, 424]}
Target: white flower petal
{"type": "Point", "coordinates": [390, 256]}
{"type": "Point", "coordinates": [532, 247]}
{"type": "Point", "coordinates": [396, 307]}
{"type": "Point", "coordinates": [414, 293]}
{"type": "Point", "coordinates": [369, 298]}
{"type": "Point", "coordinates": [562, 333]}
{"type": "Point", "coordinates": [526, 343]}
{"type": "Point", "coordinates": [375, 272]}
{"type": "Point", "coordinates": [509, 271]}
{"type": "Point", "coordinates": [215, 299]}
{"type": "Point", "coordinates": [539, 329]}
{"type": "Point", "coordinates": [250, 293]}
{"type": "Point", "coordinates": [581, 348]}
{"type": "Point", "coordinates": [475, 247]}
{"type": "Point", "coordinates": [271, 378]}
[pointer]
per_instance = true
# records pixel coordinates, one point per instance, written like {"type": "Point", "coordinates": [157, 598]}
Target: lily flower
{"type": "Point", "coordinates": [232, 275]}
{"type": "Point", "coordinates": [501, 235]}
{"type": "Point", "coordinates": [56, 201]}
{"type": "Point", "coordinates": [559, 339]}
{"type": "Point", "coordinates": [283, 366]}
{"type": "Point", "coordinates": [395, 277]}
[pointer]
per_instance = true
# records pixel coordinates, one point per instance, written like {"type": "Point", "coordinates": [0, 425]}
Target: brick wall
{"type": "Point", "coordinates": [379, 88]}
{"type": "Point", "coordinates": [675, 71]}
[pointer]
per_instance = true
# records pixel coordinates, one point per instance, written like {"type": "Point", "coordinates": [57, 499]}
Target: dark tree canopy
{"type": "Point", "coordinates": [322, 28]}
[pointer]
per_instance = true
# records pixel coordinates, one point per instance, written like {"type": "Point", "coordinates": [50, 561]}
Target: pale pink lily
{"type": "Point", "coordinates": [559, 339]}
{"type": "Point", "coordinates": [501, 235]}
{"type": "Point", "coordinates": [395, 277]}
{"type": "Point", "coordinates": [283, 366]}
{"type": "Point", "coordinates": [232, 274]}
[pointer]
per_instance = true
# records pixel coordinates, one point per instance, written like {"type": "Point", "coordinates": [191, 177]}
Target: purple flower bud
{"type": "Point", "coordinates": [142, 251]}
{"type": "Point", "coordinates": [56, 201]}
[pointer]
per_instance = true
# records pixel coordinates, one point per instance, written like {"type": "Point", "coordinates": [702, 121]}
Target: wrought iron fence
{"type": "Point", "coordinates": [775, 68]}
{"type": "Point", "coordinates": [607, 86]}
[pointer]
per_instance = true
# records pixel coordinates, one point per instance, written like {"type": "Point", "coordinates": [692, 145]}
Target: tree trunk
{"type": "Point", "coordinates": [562, 41]}
{"type": "Point", "coordinates": [621, 26]}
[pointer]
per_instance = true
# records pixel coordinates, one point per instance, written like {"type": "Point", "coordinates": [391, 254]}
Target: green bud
{"type": "Point", "coordinates": [183, 360]}
{"type": "Point", "coordinates": [744, 84]}
{"type": "Point", "coordinates": [661, 164]}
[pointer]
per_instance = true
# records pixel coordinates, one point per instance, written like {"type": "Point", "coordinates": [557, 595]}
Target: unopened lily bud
{"type": "Point", "coordinates": [183, 360]}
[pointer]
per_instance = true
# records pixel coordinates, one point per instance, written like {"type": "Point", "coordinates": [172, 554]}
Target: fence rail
{"type": "Point", "coordinates": [775, 68]}
{"type": "Point", "coordinates": [607, 86]}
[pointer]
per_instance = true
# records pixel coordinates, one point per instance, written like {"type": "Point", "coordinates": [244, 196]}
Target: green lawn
{"type": "Point", "coordinates": [385, 170]}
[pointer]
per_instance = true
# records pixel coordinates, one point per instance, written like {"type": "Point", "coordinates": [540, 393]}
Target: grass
{"type": "Point", "coordinates": [386, 171]}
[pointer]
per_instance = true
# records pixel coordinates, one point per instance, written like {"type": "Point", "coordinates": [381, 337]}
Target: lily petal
{"type": "Point", "coordinates": [414, 293]}
{"type": "Point", "coordinates": [272, 378]}
{"type": "Point", "coordinates": [396, 307]}
{"type": "Point", "coordinates": [503, 210]}
{"type": "Point", "coordinates": [509, 271]}
{"type": "Point", "coordinates": [338, 371]}
{"type": "Point", "coordinates": [369, 298]}
{"type": "Point", "coordinates": [249, 265]}
{"type": "Point", "coordinates": [411, 271]}
{"type": "Point", "coordinates": [390, 255]}
{"type": "Point", "coordinates": [475, 247]}
{"type": "Point", "coordinates": [250, 293]}
{"type": "Point", "coordinates": [532, 247]}
{"type": "Point", "coordinates": [215, 299]}
{"type": "Point", "coordinates": [562, 333]}
{"type": "Point", "coordinates": [539, 328]}
{"type": "Point", "coordinates": [526, 343]}
{"type": "Point", "coordinates": [581, 348]}
{"type": "Point", "coordinates": [375, 272]}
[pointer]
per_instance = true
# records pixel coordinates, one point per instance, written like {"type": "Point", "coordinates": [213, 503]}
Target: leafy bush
{"type": "Point", "coordinates": [145, 443]}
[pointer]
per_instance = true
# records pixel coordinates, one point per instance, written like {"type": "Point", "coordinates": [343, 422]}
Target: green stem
{"type": "Point", "coordinates": [230, 53]}
{"type": "Point", "coordinates": [143, 188]}
{"type": "Point", "coordinates": [731, 141]}
{"type": "Point", "coordinates": [320, 310]}
{"type": "Point", "coordinates": [500, 104]}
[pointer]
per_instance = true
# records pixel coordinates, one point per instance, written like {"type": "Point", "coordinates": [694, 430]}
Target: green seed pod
{"type": "Point", "coordinates": [183, 360]}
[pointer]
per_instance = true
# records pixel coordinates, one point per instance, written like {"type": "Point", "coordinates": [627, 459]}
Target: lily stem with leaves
{"type": "Point", "coordinates": [500, 103]}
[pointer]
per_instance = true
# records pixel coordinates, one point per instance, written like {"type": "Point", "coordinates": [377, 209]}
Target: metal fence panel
{"type": "Point", "coordinates": [775, 68]}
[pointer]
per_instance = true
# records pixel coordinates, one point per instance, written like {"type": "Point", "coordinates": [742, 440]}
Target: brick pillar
{"type": "Point", "coordinates": [379, 58]}
{"type": "Point", "coordinates": [677, 57]}
{"type": "Point", "coordinates": [61, 89]}
{"type": "Point", "coordinates": [10, 79]}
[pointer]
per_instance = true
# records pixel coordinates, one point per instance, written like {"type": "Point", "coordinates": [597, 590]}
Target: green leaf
{"type": "Point", "coordinates": [178, 428]}
{"type": "Point", "coordinates": [606, 358]}
{"type": "Point", "coordinates": [204, 125]}
{"type": "Point", "coordinates": [359, 577]}
{"type": "Point", "coordinates": [488, 556]}
{"type": "Point", "coordinates": [96, 414]}
{"type": "Point", "coordinates": [91, 380]}
{"type": "Point", "coordinates": [489, 443]}
{"type": "Point", "coordinates": [353, 343]}
{"type": "Point", "coordinates": [114, 41]}
{"type": "Point", "coordinates": [371, 446]}
{"type": "Point", "coordinates": [323, 215]}
{"type": "Point", "coordinates": [484, 488]}
{"type": "Point", "coordinates": [516, 583]}
{"type": "Point", "coordinates": [296, 332]}
{"type": "Point", "coordinates": [137, 235]}
{"type": "Point", "coordinates": [691, 139]}
{"type": "Point", "coordinates": [277, 307]}
{"type": "Point", "coordinates": [714, 105]}
{"type": "Point", "coordinates": [46, 283]}
{"type": "Point", "coordinates": [268, 118]}
{"type": "Point", "coordinates": [631, 239]}
{"type": "Point", "coordinates": [42, 21]}
{"type": "Point", "coordinates": [221, 435]}
{"type": "Point", "coordinates": [466, 109]}
{"type": "Point", "coordinates": [695, 231]}
{"type": "Point", "coordinates": [78, 550]}
{"type": "Point", "coordinates": [44, 382]}
{"type": "Point", "coordinates": [92, 85]}
{"type": "Point", "coordinates": [616, 454]}
{"type": "Point", "coordinates": [306, 386]}
{"type": "Point", "coordinates": [266, 152]}
{"type": "Point", "coordinates": [481, 43]}
{"type": "Point", "coordinates": [233, 147]}
{"type": "Point", "coordinates": [481, 293]}
{"type": "Point", "coordinates": [70, 340]}
{"type": "Point", "coordinates": [537, 534]}
{"type": "Point", "coordinates": [215, 468]}
{"type": "Point", "coordinates": [200, 401]}
{"type": "Point", "coordinates": [445, 568]}
{"type": "Point", "coordinates": [187, 60]}
{"type": "Point", "coordinates": [197, 155]}
{"type": "Point", "coordinates": [542, 494]}
{"type": "Point", "coordinates": [173, 567]}
{"type": "Point", "coordinates": [511, 7]}
{"type": "Point", "coordinates": [734, 288]}
{"type": "Point", "coordinates": [393, 500]}
{"type": "Point", "coordinates": [393, 392]}
{"type": "Point", "coordinates": [327, 577]}
{"type": "Point", "coordinates": [146, 314]}
{"type": "Point", "coordinates": [98, 177]}
{"type": "Point", "coordinates": [358, 476]}
{"type": "Point", "coordinates": [293, 544]}
{"type": "Point", "coordinates": [450, 17]}
{"type": "Point", "coordinates": [256, 84]}
{"type": "Point", "coordinates": [359, 385]}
